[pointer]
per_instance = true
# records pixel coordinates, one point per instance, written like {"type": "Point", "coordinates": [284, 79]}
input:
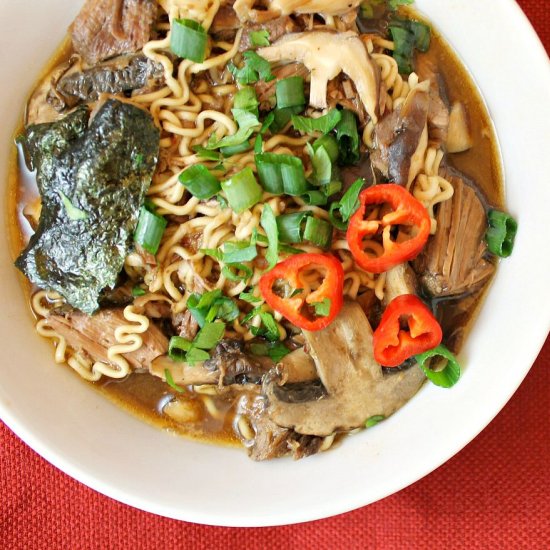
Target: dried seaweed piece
{"type": "Point", "coordinates": [92, 181]}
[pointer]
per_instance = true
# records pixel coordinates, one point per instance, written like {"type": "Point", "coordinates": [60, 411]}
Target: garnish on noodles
{"type": "Point", "coordinates": [270, 221]}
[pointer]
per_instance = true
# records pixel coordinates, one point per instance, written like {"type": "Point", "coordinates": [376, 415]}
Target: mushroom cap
{"type": "Point", "coordinates": [356, 386]}
{"type": "Point", "coordinates": [326, 55]}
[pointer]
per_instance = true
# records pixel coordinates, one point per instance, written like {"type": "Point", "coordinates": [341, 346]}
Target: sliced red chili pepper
{"type": "Point", "coordinates": [296, 299]}
{"type": "Point", "coordinates": [406, 210]}
{"type": "Point", "coordinates": [393, 343]}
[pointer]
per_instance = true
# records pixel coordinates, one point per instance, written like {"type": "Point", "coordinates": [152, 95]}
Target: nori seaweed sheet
{"type": "Point", "coordinates": [104, 169]}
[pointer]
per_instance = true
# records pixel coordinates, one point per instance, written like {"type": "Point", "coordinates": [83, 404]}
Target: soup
{"type": "Point", "coordinates": [252, 224]}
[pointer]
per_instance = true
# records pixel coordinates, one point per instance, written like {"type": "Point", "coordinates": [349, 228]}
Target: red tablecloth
{"type": "Point", "coordinates": [493, 494]}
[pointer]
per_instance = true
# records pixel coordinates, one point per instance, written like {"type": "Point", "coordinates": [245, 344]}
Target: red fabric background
{"type": "Point", "coordinates": [493, 494]}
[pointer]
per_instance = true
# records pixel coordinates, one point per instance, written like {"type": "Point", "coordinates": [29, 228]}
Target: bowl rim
{"type": "Point", "coordinates": [509, 15]}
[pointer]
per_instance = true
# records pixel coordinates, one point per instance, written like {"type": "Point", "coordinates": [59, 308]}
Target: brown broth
{"type": "Point", "coordinates": [144, 395]}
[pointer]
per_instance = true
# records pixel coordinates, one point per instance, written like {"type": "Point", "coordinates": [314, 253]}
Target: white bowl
{"type": "Point", "coordinates": [87, 437]}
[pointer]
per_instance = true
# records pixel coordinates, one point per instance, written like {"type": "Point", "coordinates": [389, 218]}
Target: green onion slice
{"type": "Point", "coordinates": [322, 165]}
{"type": "Point", "coordinates": [235, 252]}
{"type": "Point", "coordinates": [170, 381]}
{"type": "Point", "coordinates": [347, 138]}
{"type": "Point", "coordinates": [330, 144]}
{"type": "Point", "coordinates": [259, 38]}
{"type": "Point", "coordinates": [501, 233]}
{"type": "Point", "coordinates": [315, 197]}
{"type": "Point", "coordinates": [322, 309]}
{"type": "Point", "coordinates": [280, 174]}
{"type": "Point", "coordinates": [373, 420]}
{"type": "Point", "coordinates": [188, 40]}
{"type": "Point", "coordinates": [149, 230]}
{"type": "Point", "coordinates": [138, 291]}
{"type": "Point", "coordinates": [290, 92]}
{"type": "Point", "coordinates": [274, 350]}
{"type": "Point", "coordinates": [269, 223]}
{"type": "Point", "coordinates": [449, 375]}
{"type": "Point", "coordinates": [247, 99]}
{"type": "Point", "coordinates": [199, 182]}
{"type": "Point", "coordinates": [237, 272]}
{"type": "Point", "coordinates": [196, 355]}
{"type": "Point", "coordinates": [242, 190]}
{"type": "Point", "coordinates": [281, 117]}
{"type": "Point", "coordinates": [323, 124]}
{"type": "Point", "coordinates": [336, 218]}
{"type": "Point", "coordinates": [249, 297]}
{"type": "Point", "coordinates": [291, 226]}
{"type": "Point", "coordinates": [178, 348]}
{"type": "Point", "coordinates": [209, 335]}
{"type": "Point", "coordinates": [318, 232]}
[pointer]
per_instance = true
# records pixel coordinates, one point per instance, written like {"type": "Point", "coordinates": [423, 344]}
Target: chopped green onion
{"type": "Point", "coordinates": [199, 181]}
{"type": "Point", "coordinates": [322, 309]}
{"type": "Point", "coordinates": [149, 230]}
{"type": "Point", "coordinates": [212, 305]}
{"type": "Point", "coordinates": [394, 4]}
{"type": "Point", "coordinates": [251, 314]}
{"type": "Point", "coordinates": [196, 355]}
{"type": "Point", "coordinates": [330, 144]}
{"type": "Point", "coordinates": [501, 233]}
{"type": "Point", "coordinates": [248, 122]}
{"type": "Point", "coordinates": [242, 190]}
{"type": "Point", "coordinates": [373, 420]}
{"type": "Point", "coordinates": [291, 226]}
{"type": "Point", "coordinates": [231, 272]}
{"type": "Point", "coordinates": [138, 291]}
{"type": "Point", "coordinates": [188, 39]}
{"type": "Point", "coordinates": [206, 154]}
{"type": "Point", "coordinates": [249, 297]}
{"type": "Point", "coordinates": [209, 335]}
{"type": "Point", "coordinates": [282, 247]}
{"type": "Point", "coordinates": [274, 350]}
{"type": "Point", "coordinates": [235, 149]}
{"type": "Point", "coordinates": [408, 35]}
{"type": "Point", "coordinates": [348, 138]}
{"type": "Point", "coordinates": [238, 251]}
{"type": "Point", "coordinates": [281, 117]}
{"type": "Point", "coordinates": [322, 165]}
{"type": "Point", "coordinates": [332, 188]}
{"type": "Point", "coordinates": [259, 38]}
{"type": "Point", "coordinates": [349, 203]}
{"type": "Point", "coordinates": [178, 348]}
{"type": "Point", "coordinates": [170, 381]}
{"type": "Point", "coordinates": [335, 217]}
{"type": "Point", "coordinates": [228, 309]}
{"type": "Point", "coordinates": [281, 173]}
{"type": "Point", "coordinates": [269, 223]}
{"type": "Point", "coordinates": [315, 198]}
{"type": "Point", "coordinates": [290, 92]}
{"type": "Point", "coordinates": [73, 212]}
{"type": "Point", "coordinates": [323, 124]}
{"type": "Point", "coordinates": [254, 68]}
{"type": "Point", "coordinates": [247, 99]}
{"type": "Point", "coordinates": [340, 212]}
{"type": "Point", "coordinates": [272, 330]}
{"type": "Point", "coordinates": [449, 375]}
{"type": "Point", "coordinates": [318, 232]}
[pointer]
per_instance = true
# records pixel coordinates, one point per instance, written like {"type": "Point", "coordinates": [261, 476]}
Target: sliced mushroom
{"type": "Point", "coordinates": [356, 386]}
{"type": "Point", "coordinates": [298, 367]}
{"type": "Point", "coordinates": [402, 139]}
{"type": "Point", "coordinates": [326, 55]}
{"type": "Point", "coordinates": [276, 8]}
{"type": "Point", "coordinates": [459, 135]}
{"type": "Point", "coordinates": [400, 280]}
